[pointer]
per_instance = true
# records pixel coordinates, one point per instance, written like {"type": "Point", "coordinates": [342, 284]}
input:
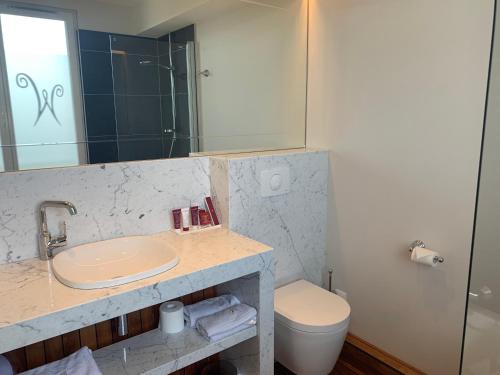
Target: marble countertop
{"type": "Point", "coordinates": [36, 306]}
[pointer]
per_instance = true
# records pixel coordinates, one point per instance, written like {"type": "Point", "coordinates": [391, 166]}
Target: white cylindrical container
{"type": "Point", "coordinates": [172, 317]}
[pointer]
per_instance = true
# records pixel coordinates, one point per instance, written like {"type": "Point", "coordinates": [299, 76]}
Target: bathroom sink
{"type": "Point", "coordinates": [113, 262]}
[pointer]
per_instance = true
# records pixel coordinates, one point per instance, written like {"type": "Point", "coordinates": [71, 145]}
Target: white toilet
{"type": "Point", "coordinates": [310, 328]}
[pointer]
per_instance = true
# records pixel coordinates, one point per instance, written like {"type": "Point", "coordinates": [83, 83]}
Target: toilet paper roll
{"type": "Point", "coordinates": [424, 256]}
{"type": "Point", "coordinates": [172, 317]}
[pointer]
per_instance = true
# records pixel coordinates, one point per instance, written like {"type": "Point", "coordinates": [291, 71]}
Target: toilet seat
{"type": "Point", "coordinates": [306, 307]}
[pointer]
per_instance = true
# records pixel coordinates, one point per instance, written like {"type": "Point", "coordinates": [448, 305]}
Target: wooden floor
{"type": "Point", "coordinates": [352, 361]}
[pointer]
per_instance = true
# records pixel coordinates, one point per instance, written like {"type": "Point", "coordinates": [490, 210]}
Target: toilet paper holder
{"type": "Point", "coordinates": [420, 243]}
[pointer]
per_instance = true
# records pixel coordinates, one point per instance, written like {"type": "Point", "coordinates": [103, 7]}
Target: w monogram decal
{"type": "Point", "coordinates": [44, 102]}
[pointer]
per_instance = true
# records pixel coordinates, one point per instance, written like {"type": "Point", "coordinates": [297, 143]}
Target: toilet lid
{"type": "Point", "coordinates": [307, 307]}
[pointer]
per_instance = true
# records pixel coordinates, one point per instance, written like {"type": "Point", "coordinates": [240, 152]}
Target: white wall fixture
{"type": "Point", "coordinates": [274, 182]}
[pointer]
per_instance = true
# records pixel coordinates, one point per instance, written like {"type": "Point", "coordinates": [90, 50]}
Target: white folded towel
{"type": "Point", "coordinates": [208, 307]}
{"type": "Point", "coordinates": [223, 335]}
{"type": "Point", "coordinates": [78, 363]}
{"type": "Point", "coordinates": [227, 322]}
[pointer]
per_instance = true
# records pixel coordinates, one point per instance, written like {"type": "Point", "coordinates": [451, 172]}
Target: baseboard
{"type": "Point", "coordinates": [382, 356]}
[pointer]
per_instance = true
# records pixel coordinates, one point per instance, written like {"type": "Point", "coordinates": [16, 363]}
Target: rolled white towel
{"type": "Point", "coordinates": [227, 322]}
{"type": "Point", "coordinates": [208, 307]}
{"type": "Point", "coordinates": [78, 363]}
{"type": "Point", "coordinates": [225, 334]}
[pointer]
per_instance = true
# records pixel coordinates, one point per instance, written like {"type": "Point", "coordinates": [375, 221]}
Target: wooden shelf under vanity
{"type": "Point", "coordinates": [154, 352]}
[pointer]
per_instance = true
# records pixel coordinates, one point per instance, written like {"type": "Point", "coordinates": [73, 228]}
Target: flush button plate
{"type": "Point", "coordinates": [274, 181]}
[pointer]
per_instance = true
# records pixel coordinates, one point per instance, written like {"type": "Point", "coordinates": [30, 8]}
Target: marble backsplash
{"type": "Point", "coordinates": [293, 224]}
{"type": "Point", "coordinates": [136, 198]}
{"type": "Point", "coordinates": [132, 198]}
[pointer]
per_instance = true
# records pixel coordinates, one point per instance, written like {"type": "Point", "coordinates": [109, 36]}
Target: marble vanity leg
{"type": "Point", "coordinates": [255, 356]}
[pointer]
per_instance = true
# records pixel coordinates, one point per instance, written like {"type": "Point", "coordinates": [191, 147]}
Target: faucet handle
{"type": "Point", "coordinates": [60, 240]}
{"type": "Point", "coordinates": [46, 241]}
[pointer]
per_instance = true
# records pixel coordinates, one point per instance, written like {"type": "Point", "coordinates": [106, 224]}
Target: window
{"type": "Point", "coordinates": [41, 103]}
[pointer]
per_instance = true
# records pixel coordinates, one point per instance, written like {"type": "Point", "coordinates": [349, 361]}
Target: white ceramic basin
{"type": "Point", "coordinates": [113, 262]}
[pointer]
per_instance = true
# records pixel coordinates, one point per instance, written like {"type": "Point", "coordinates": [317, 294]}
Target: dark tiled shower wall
{"type": "Point", "coordinates": [137, 97]}
{"type": "Point", "coordinates": [98, 94]}
{"type": "Point", "coordinates": [127, 104]}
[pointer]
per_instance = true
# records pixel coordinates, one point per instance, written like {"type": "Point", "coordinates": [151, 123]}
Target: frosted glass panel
{"type": "Point", "coordinates": [39, 79]}
{"type": "Point", "coordinates": [481, 352]}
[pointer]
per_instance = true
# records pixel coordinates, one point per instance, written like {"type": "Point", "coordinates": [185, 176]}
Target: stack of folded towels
{"type": "Point", "coordinates": [219, 317]}
{"type": "Point", "coordinates": [80, 362]}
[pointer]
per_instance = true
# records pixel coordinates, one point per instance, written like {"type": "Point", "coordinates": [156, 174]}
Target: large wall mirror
{"type": "Point", "coordinates": [98, 81]}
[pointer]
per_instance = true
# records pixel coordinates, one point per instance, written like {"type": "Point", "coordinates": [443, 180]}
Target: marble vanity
{"type": "Point", "coordinates": [36, 306]}
{"type": "Point", "coordinates": [136, 199]}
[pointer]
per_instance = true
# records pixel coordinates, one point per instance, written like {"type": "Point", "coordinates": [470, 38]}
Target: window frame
{"type": "Point", "coordinates": [7, 137]}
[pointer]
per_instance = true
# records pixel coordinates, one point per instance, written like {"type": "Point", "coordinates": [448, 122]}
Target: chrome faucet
{"type": "Point", "coordinates": [47, 243]}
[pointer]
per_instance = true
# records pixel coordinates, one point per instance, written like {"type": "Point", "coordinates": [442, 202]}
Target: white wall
{"type": "Point", "coordinates": [255, 95]}
{"type": "Point", "coordinates": [396, 91]}
{"type": "Point", "coordinates": [156, 18]}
